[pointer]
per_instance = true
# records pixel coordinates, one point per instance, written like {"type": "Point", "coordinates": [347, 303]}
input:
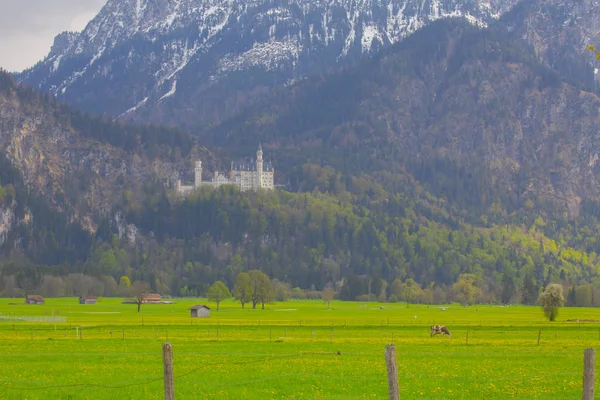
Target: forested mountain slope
{"type": "Point", "coordinates": [77, 168]}
{"type": "Point", "coordinates": [470, 113]}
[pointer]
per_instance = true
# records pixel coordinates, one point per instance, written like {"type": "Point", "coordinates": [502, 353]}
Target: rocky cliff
{"type": "Point", "coordinates": [560, 32]}
{"type": "Point", "coordinates": [82, 166]}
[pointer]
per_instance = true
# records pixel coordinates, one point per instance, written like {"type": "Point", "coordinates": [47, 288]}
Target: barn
{"type": "Point", "coordinates": [152, 298]}
{"type": "Point", "coordinates": [34, 299]}
{"type": "Point", "coordinates": [200, 311]}
{"type": "Point", "coordinates": [88, 300]}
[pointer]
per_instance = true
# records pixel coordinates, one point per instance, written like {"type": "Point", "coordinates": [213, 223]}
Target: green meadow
{"type": "Point", "coordinates": [291, 350]}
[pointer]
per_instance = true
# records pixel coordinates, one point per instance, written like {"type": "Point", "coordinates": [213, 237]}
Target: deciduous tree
{"type": "Point", "coordinates": [138, 291]}
{"type": "Point", "coordinates": [327, 295]}
{"type": "Point", "coordinates": [242, 288]}
{"type": "Point", "coordinates": [217, 293]}
{"type": "Point", "coordinates": [465, 289]}
{"type": "Point", "coordinates": [410, 290]}
{"type": "Point", "coordinates": [551, 300]}
{"type": "Point", "coordinates": [261, 288]}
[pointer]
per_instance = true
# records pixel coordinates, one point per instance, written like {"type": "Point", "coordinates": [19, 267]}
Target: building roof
{"type": "Point", "coordinates": [199, 306]}
{"type": "Point", "coordinates": [250, 166]}
{"type": "Point", "coordinates": [35, 297]}
{"type": "Point", "coordinates": [152, 296]}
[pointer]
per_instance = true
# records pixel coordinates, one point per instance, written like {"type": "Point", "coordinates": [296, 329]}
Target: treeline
{"type": "Point", "coordinates": [361, 242]}
{"type": "Point", "coordinates": [254, 288]}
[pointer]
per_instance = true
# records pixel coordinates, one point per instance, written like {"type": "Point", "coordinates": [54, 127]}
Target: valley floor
{"type": "Point", "coordinates": [291, 350]}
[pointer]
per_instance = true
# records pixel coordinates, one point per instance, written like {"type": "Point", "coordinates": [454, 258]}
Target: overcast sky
{"type": "Point", "coordinates": [28, 27]}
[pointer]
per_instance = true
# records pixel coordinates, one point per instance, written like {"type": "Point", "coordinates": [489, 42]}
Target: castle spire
{"type": "Point", "coordinates": [259, 153]}
{"type": "Point", "coordinates": [259, 168]}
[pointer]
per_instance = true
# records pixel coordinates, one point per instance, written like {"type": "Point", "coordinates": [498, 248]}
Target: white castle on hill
{"type": "Point", "coordinates": [251, 175]}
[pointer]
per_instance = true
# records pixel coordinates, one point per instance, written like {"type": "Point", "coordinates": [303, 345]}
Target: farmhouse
{"type": "Point", "coordinates": [34, 299]}
{"type": "Point", "coordinates": [199, 311]}
{"type": "Point", "coordinates": [88, 300]}
{"type": "Point", "coordinates": [151, 298]}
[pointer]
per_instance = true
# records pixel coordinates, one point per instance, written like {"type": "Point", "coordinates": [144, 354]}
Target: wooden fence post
{"type": "Point", "coordinates": [589, 373]}
{"type": "Point", "coordinates": [467, 339]}
{"type": "Point", "coordinates": [168, 368]}
{"type": "Point", "coordinates": [392, 372]}
{"type": "Point", "coordinates": [539, 335]}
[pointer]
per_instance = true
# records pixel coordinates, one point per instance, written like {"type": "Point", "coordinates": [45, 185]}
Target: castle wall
{"type": "Point", "coordinates": [246, 176]}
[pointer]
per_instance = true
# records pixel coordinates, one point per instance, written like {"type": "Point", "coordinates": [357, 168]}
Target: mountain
{"type": "Point", "coordinates": [195, 62]}
{"type": "Point", "coordinates": [78, 169]}
{"type": "Point", "coordinates": [560, 33]}
{"type": "Point", "coordinates": [448, 102]}
{"type": "Point", "coordinates": [456, 151]}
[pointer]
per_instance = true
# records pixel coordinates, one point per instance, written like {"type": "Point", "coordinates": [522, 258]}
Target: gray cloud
{"type": "Point", "coordinates": [28, 27]}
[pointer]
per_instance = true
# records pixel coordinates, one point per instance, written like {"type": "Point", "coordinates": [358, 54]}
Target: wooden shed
{"type": "Point", "coordinates": [200, 311]}
{"type": "Point", "coordinates": [88, 300]}
{"type": "Point", "coordinates": [34, 299]}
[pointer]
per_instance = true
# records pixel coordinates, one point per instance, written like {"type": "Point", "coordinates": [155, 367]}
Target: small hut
{"type": "Point", "coordinates": [34, 299]}
{"type": "Point", "coordinates": [88, 300]}
{"type": "Point", "coordinates": [200, 311]}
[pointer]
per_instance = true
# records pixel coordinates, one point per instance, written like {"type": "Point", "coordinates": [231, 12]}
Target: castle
{"type": "Point", "coordinates": [251, 175]}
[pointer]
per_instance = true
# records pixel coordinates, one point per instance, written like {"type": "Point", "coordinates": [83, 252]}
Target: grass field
{"type": "Point", "coordinates": [289, 351]}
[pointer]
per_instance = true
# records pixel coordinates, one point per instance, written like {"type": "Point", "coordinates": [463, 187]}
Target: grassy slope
{"type": "Point", "coordinates": [501, 360]}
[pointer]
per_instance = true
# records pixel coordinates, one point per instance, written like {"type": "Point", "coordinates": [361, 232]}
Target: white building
{"type": "Point", "coordinates": [251, 175]}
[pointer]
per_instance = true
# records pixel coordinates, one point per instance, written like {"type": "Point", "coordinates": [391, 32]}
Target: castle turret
{"type": "Point", "coordinates": [259, 167]}
{"type": "Point", "coordinates": [198, 174]}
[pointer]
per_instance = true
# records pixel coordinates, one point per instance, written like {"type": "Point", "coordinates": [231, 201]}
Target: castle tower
{"type": "Point", "coordinates": [198, 174]}
{"type": "Point", "coordinates": [259, 167]}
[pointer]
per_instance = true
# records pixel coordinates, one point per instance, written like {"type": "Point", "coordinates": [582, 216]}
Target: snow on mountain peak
{"type": "Point", "coordinates": [146, 45]}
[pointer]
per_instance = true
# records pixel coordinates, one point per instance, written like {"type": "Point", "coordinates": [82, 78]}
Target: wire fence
{"type": "Point", "coordinates": [183, 334]}
{"type": "Point", "coordinates": [340, 334]}
{"type": "Point", "coordinates": [261, 358]}
{"type": "Point", "coordinates": [34, 319]}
